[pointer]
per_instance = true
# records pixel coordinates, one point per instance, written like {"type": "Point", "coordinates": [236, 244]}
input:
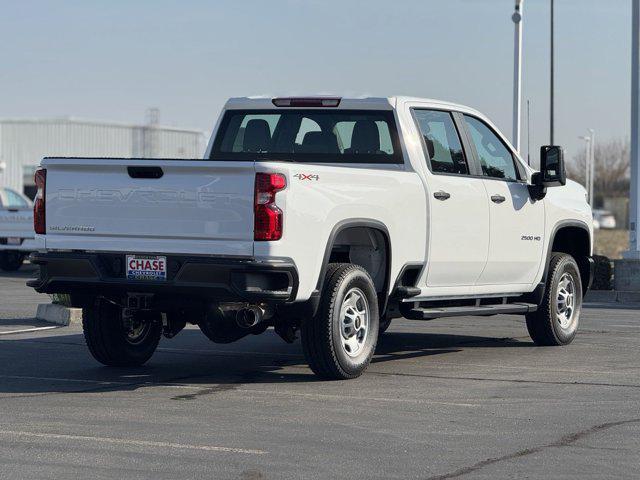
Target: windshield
{"type": "Point", "coordinates": [328, 136]}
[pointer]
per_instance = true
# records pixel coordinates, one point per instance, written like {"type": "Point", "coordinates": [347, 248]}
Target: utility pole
{"type": "Point", "coordinates": [551, 93]}
{"type": "Point", "coordinates": [517, 72]}
{"type": "Point", "coordinates": [150, 133]}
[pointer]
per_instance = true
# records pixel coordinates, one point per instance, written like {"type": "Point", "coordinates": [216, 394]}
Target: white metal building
{"type": "Point", "coordinates": [24, 142]}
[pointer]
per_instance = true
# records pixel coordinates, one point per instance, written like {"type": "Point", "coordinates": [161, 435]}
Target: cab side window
{"type": "Point", "coordinates": [441, 141]}
{"type": "Point", "coordinates": [495, 158]}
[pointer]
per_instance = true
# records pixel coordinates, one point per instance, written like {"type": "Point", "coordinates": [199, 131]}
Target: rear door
{"type": "Point", "coordinates": [457, 204]}
{"type": "Point", "coordinates": [516, 220]}
{"type": "Point", "coordinates": [166, 206]}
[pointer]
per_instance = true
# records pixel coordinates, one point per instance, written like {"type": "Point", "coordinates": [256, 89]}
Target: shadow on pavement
{"type": "Point", "coordinates": [403, 345]}
{"type": "Point", "coordinates": [27, 271]}
{"type": "Point", "coordinates": [62, 363]}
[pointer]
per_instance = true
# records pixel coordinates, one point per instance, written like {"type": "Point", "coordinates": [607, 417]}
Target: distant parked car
{"type": "Point", "coordinates": [16, 229]}
{"type": "Point", "coordinates": [603, 219]}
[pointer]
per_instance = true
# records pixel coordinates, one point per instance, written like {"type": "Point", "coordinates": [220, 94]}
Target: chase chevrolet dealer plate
{"type": "Point", "coordinates": [147, 267]}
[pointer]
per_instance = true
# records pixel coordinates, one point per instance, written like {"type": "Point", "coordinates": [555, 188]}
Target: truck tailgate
{"type": "Point", "coordinates": [150, 205]}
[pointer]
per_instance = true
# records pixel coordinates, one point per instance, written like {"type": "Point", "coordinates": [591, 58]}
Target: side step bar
{"type": "Point", "coordinates": [481, 310]}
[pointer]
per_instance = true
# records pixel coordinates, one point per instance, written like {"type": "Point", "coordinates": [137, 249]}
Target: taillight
{"type": "Point", "coordinates": [39, 211]}
{"type": "Point", "coordinates": [267, 223]}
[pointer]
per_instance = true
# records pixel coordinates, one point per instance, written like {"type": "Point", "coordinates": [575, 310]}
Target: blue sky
{"type": "Point", "coordinates": [113, 59]}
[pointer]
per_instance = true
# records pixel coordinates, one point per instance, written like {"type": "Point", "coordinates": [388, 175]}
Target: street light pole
{"type": "Point", "coordinates": [587, 164]}
{"type": "Point", "coordinates": [517, 72]}
{"type": "Point", "coordinates": [634, 206]}
{"type": "Point", "coordinates": [592, 168]}
{"type": "Point", "coordinates": [551, 83]}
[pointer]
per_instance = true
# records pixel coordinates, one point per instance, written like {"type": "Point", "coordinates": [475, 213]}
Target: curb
{"type": "Point", "coordinates": [612, 296]}
{"type": "Point", "coordinates": [58, 314]}
{"type": "Point", "coordinates": [628, 297]}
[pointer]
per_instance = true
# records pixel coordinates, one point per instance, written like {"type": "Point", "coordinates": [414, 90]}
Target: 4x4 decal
{"type": "Point", "coordinates": [307, 176]}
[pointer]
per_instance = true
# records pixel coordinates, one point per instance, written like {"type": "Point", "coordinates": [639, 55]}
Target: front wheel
{"type": "Point", "coordinates": [118, 343]}
{"type": "Point", "coordinates": [10, 261]}
{"type": "Point", "coordinates": [556, 320]}
{"type": "Point", "coordinates": [339, 341]}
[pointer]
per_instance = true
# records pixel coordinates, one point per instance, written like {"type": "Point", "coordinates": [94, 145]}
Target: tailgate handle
{"type": "Point", "coordinates": [145, 172]}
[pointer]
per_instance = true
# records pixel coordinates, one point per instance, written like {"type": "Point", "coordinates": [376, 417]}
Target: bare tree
{"type": "Point", "coordinates": [611, 170]}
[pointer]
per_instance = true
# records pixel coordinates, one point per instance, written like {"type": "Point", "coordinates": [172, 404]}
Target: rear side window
{"type": "Point", "coordinates": [441, 141]}
{"type": "Point", "coordinates": [324, 136]}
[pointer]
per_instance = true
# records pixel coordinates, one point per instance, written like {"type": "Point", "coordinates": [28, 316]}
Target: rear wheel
{"type": "Point", "coordinates": [340, 340]}
{"type": "Point", "coordinates": [10, 261]}
{"type": "Point", "coordinates": [114, 342]}
{"type": "Point", "coordinates": [557, 318]}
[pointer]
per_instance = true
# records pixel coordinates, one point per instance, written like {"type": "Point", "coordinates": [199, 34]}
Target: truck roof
{"type": "Point", "coordinates": [347, 102]}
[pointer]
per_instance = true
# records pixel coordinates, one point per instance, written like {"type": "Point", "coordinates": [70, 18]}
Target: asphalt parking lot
{"type": "Point", "coordinates": [456, 398]}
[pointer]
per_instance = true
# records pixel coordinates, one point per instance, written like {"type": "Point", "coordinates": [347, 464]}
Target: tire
{"type": "Point", "coordinates": [10, 260]}
{"type": "Point", "coordinates": [335, 349]}
{"type": "Point", "coordinates": [553, 324]}
{"type": "Point", "coordinates": [110, 343]}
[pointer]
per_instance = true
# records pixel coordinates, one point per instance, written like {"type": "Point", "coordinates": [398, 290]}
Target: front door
{"type": "Point", "coordinates": [516, 220]}
{"type": "Point", "coordinates": [457, 205]}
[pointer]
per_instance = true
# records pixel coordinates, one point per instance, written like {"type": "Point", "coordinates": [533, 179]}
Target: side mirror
{"type": "Point", "coordinates": [552, 171]}
{"type": "Point", "coordinates": [536, 189]}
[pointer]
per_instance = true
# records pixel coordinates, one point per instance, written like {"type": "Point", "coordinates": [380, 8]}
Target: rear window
{"type": "Point", "coordinates": [323, 136]}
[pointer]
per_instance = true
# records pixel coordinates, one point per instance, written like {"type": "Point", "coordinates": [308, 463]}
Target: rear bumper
{"type": "Point", "coordinates": [211, 278]}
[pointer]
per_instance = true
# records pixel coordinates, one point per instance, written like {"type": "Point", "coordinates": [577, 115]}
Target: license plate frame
{"type": "Point", "coordinates": [146, 268]}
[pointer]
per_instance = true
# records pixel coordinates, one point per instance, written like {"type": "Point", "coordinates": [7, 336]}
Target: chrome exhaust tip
{"type": "Point", "coordinates": [249, 317]}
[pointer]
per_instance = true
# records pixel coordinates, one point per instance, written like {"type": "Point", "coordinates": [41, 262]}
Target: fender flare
{"type": "Point", "coordinates": [538, 293]}
{"type": "Point", "coordinates": [354, 223]}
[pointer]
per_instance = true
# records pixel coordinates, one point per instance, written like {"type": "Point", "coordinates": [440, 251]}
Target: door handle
{"type": "Point", "coordinates": [497, 198]}
{"type": "Point", "coordinates": [440, 195]}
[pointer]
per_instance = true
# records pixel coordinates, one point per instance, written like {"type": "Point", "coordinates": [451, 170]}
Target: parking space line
{"type": "Point", "coordinates": [326, 396]}
{"type": "Point", "coordinates": [127, 442]}
{"type": "Point", "coordinates": [28, 330]}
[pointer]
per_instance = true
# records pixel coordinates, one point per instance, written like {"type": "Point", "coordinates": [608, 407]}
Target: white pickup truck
{"type": "Point", "coordinates": [324, 215]}
{"type": "Point", "coordinates": [16, 229]}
